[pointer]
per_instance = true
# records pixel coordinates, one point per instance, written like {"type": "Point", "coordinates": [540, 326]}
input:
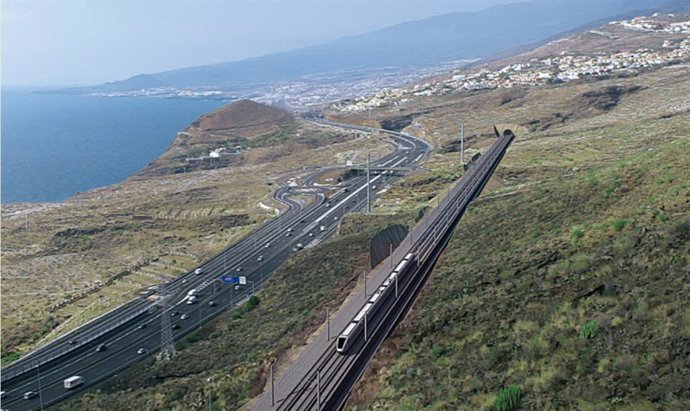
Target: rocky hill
{"type": "Point", "coordinates": [241, 133]}
{"type": "Point", "coordinates": [245, 118]}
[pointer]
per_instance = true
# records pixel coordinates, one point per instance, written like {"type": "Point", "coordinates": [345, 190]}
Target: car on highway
{"type": "Point", "coordinates": [73, 342]}
{"type": "Point", "coordinates": [176, 326]}
{"type": "Point", "coordinates": [101, 347]}
{"type": "Point", "coordinates": [142, 351]}
{"type": "Point", "coordinates": [238, 269]}
{"type": "Point", "coordinates": [238, 287]}
{"type": "Point", "coordinates": [288, 234]}
{"type": "Point", "coordinates": [141, 326]}
{"type": "Point", "coordinates": [311, 234]}
{"type": "Point", "coordinates": [174, 313]}
{"type": "Point", "coordinates": [212, 303]}
{"type": "Point", "coordinates": [3, 394]}
{"type": "Point", "coordinates": [198, 271]}
{"type": "Point", "coordinates": [335, 218]}
{"type": "Point", "coordinates": [192, 299]}
{"type": "Point", "coordinates": [184, 316]}
{"type": "Point", "coordinates": [261, 258]}
{"type": "Point", "coordinates": [267, 245]}
{"type": "Point", "coordinates": [30, 394]}
{"type": "Point", "coordinates": [184, 281]}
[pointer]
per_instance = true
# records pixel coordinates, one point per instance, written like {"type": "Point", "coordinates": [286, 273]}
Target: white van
{"type": "Point", "coordinates": [73, 381]}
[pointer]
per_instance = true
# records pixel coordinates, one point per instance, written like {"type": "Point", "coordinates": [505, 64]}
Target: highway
{"type": "Point", "coordinates": [137, 324]}
{"type": "Point", "coordinates": [322, 378]}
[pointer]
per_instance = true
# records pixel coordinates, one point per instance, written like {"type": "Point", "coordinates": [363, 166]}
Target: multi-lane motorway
{"type": "Point", "coordinates": [132, 332]}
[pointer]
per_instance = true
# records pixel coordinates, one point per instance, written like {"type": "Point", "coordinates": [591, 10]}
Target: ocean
{"type": "Point", "coordinates": [54, 146]}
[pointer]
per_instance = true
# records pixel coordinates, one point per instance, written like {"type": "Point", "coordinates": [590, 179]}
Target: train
{"type": "Point", "coordinates": [366, 318]}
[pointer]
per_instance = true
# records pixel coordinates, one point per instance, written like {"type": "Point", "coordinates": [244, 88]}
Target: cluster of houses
{"type": "Point", "coordinates": [654, 25]}
{"type": "Point", "coordinates": [163, 92]}
{"type": "Point", "coordinates": [564, 67]}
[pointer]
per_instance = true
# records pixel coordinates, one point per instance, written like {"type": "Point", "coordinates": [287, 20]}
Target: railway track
{"type": "Point", "coordinates": [322, 378]}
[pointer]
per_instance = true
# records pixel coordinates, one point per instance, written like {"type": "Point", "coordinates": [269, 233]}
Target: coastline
{"type": "Point", "coordinates": [55, 147]}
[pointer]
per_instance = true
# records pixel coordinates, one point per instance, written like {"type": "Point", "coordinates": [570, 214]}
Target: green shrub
{"type": "Point", "coordinates": [589, 329]}
{"type": "Point", "coordinates": [592, 179]}
{"type": "Point", "coordinates": [252, 303]}
{"type": "Point", "coordinates": [193, 337]}
{"type": "Point", "coordinates": [679, 233]}
{"type": "Point", "coordinates": [577, 233]}
{"type": "Point", "coordinates": [10, 356]}
{"type": "Point", "coordinates": [437, 351]}
{"type": "Point", "coordinates": [618, 225]}
{"type": "Point", "coordinates": [508, 398]}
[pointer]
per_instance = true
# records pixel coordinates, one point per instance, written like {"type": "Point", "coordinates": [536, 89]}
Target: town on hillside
{"type": "Point", "coordinates": [564, 67]}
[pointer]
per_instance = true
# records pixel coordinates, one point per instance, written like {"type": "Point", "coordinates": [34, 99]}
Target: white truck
{"type": "Point", "coordinates": [73, 382]}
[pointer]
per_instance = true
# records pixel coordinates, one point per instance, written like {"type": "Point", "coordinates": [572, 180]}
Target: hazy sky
{"type": "Point", "coordinates": [63, 42]}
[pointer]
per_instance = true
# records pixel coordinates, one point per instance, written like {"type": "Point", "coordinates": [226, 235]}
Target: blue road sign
{"type": "Point", "coordinates": [226, 279]}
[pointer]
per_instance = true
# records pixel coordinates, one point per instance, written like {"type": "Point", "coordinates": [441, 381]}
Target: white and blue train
{"type": "Point", "coordinates": [366, 317]}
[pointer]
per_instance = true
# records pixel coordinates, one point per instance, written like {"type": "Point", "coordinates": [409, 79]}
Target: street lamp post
{"type": "Point", "coordinates": [210, 398]}
{"type": "Point", "coordinates": [40, 393]}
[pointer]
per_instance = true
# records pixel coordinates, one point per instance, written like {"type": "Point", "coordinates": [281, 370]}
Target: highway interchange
{"type": "Point", "coordinates": [137, 325]}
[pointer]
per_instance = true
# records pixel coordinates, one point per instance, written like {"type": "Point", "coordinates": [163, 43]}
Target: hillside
{"type": "Point", "coordinates": [620, 48]}
{"type": "Point", "coordinates": [456, 36]}
{"type": "Point", "coordinates": [239, 134]}
{"type": "Point", "coordinates": [245, 117]}
{"type": "Point", "coordinates": [567, 278]}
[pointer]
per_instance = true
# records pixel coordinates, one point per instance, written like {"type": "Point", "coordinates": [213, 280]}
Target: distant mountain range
{"type": "Point", "coordinates": [419, 43]}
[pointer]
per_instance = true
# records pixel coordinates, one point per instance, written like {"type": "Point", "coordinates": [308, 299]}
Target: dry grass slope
{"type": "Point", "coordinates": [570, 279]}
